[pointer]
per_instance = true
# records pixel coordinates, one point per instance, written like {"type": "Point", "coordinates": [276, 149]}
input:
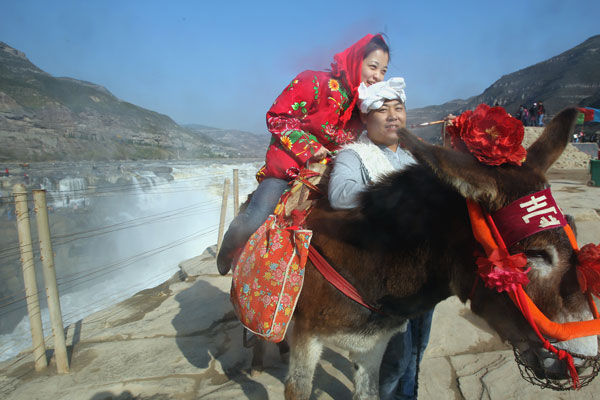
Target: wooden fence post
{"type": "Point", "coordinates": [47, 256]}
{"type": "Point", "coordinates": [27, 263]}
{"type": "Point", "coordinates": [223, 214]}
{"type": "Point", "coordinates": [236, 192]}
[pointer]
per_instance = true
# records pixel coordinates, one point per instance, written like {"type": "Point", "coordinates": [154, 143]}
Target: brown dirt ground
{"type": "Point", "coordinates": [575, 175]}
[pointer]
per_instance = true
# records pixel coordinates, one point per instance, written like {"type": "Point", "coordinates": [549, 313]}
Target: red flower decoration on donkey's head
{"type": "Point", "coordinates": [503, 271]}
{"type": "Point", "coordinates": [490, 134]}
{"type": "Point", "coordinates": [588, 269]}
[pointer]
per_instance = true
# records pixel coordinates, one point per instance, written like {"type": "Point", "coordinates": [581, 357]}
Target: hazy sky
{"type": "Point", "coordinates": [222, 63]}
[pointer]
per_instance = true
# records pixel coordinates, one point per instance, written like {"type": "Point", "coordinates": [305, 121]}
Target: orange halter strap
{"type": "Point", "coordinates": [487, 235]}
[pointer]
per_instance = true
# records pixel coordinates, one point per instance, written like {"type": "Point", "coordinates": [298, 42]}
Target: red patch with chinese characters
{"type": "Point", "coordinates": [530, 214]}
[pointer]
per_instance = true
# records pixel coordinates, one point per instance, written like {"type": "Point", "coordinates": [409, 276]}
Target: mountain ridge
{"type": "Point", "coordinates": [571, 78]}
{"type": "Point", "coordinates": [45, 118]}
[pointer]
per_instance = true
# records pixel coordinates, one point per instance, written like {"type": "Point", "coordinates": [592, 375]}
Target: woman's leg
{"type": "Point", "coordinates": [263, 202]}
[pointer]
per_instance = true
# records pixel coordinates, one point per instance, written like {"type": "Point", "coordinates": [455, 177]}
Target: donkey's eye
{"type": "Point", "coordinates": [539, 255]}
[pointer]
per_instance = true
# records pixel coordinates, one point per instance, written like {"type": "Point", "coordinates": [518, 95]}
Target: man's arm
{"type": "Point", "coordinates": [346, 181]}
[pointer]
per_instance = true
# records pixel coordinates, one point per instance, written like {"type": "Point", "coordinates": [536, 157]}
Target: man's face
{"type": "Point", "coordinates": [383, 124]}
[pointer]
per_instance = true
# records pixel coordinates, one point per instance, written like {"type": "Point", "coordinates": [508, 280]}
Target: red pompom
{"type": "Point", "coordinates": [502, 271]}
{"type": "Point", "coordinates": [588, 269]}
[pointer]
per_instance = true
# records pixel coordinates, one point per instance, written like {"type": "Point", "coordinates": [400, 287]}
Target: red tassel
{"type": "Point", "coordinates": [562, 355]}
{"type": "Point", "coordinates": [573, 372]}
{"type": "Point", "coordinates": [566, 357]}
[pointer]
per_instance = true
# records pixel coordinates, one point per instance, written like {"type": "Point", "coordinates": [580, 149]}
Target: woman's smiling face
{"type": "Point", "coordinates": [374, 67]}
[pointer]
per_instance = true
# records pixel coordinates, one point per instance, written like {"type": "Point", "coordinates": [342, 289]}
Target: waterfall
{"type": "Point", "coordinates": [128, 232]}
{"type": "Point", "coordinates": [71, 192]}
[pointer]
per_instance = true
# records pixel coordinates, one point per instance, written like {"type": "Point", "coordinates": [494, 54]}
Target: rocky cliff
{"type": "Point", "coordinates": [570, 78]}
{"type": "Point", "coordinates": [48, 118]}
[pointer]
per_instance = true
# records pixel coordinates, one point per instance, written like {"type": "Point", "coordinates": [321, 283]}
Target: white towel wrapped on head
{"type": "Point", "coordinates": [372, 97]}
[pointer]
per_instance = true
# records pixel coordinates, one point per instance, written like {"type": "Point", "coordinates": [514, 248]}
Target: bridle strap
{"type": "Point", "coordinates": [559, 331]}
{"type": "Point", "coordinates": [337, 280]}
{"type": "Point", "coordinates": [571, 237]}
{"type": "Point", "coordinates": [483, 232]}
{"type": "Point", "coordinates": [486, 234]}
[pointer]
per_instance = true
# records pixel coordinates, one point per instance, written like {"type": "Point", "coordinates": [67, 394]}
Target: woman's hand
{"type": "Point", "coordinates": [319, 154]}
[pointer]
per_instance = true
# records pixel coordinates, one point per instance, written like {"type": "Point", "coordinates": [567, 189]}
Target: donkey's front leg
{"type": "Point", "coordinates": [305, 353]}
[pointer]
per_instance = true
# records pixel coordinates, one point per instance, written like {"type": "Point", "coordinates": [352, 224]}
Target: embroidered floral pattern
{"type": "Point", "coordinates": [337, 105]}
{"type": "Point", "coordinates": [328, 131]}
{"type": "Point", "coordinates": [307, 121]}
{"type": "Point", "coordinates": [292, 172]}
{"type": "Point", "coordinates": [261, 174]}
{"type": "Point", "coordinates": [292, 83]}
{"type": "Point", "coordinates": [316, 87]}
{"type": "Point", "coordinates": [334, 84]}
{"type": "Point", "coordinates": [345, 98]}
{"type": "Point", "coordinates": [286, 142]}
{"type": "Point", "coordinates": [268, 279]}
{"type": "Point", "coordinates": [299, 106]}
{"type": "Point", "coordinates": [345, 136]}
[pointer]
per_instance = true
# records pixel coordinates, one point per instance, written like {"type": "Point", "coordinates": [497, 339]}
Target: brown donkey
{"type": "Point", "coordinates": [409, 245]}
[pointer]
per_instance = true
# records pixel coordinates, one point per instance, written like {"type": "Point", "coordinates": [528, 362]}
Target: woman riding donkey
{"type": "Point", "coordinates": [314, 115]}
{"type": "Point", "coordinates": [376, 153]}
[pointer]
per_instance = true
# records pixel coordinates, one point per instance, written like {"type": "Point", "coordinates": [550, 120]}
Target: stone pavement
{"type": "Point", "coordinates": [181, 340]}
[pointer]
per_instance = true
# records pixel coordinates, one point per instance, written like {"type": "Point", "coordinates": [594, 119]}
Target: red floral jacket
{"type": "Point", "coordinates": [306, 114]}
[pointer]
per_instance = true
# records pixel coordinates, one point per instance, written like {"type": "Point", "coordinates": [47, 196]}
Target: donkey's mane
{"type": "Point", "coordinates": [405, 209]}
{"type": "Point", "coordinates": [409, 203]}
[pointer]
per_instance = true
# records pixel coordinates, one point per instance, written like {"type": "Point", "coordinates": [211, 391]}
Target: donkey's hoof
{"type": "Point", "coordinates": [255, 372]}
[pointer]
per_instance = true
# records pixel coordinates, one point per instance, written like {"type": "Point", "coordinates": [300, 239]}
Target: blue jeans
{"type": "Point", "coordinates": [398, 374]}
{"type": "Point", "coordinates": [262, 204]}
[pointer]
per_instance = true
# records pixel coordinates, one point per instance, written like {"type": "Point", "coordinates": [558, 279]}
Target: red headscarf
{"type": "Point", "coordinates": [349, 63]}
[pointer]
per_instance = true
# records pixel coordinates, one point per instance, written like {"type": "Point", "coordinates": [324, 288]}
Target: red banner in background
{"type": "Point", "coordinates": [590, 114]}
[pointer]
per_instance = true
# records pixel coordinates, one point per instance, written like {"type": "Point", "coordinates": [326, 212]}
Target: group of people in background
{"type": "Point", "coordinates": [532, 116]}
{"type": "Point", "coordinates": [582, 137]}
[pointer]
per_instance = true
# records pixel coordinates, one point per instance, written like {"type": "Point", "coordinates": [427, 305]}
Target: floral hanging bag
{"type": "Point", "coordinates": [269, 273]}
{"type": "Point", "coordinates": [268, 278]}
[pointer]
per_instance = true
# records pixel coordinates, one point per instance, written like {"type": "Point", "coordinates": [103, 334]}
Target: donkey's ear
{"type": "Point", "coordinates": [472, 179]}
{"type": "Point", "coordinates": [552, 142]}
